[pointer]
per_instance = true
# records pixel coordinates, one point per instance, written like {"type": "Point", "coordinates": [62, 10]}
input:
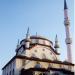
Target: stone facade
{"type": "Point", "coordinates": [39, 58]}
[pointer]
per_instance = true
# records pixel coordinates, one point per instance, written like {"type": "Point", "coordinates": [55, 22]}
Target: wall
{"type": "Point", "coordinates": [8, 70]}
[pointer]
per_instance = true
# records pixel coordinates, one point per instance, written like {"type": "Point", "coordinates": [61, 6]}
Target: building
{"type": "Point", "coordinates": [36, 55]}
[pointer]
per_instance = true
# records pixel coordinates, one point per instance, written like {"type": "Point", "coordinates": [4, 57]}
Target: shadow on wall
{"type": "Point", "coordinates": [27, 72]}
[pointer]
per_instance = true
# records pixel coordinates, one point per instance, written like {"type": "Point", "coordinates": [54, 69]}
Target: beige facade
{"type": "Point", "coordinates": [38, 55]}
{"type": "Point", "coordinates": [23, 62]}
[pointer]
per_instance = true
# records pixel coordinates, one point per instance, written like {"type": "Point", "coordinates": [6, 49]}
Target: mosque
{"type": "Point", "coordinates": [36, 55]}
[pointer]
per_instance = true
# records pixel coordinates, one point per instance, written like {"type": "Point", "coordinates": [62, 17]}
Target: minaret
{"type": "Point", "coordinates": [56, 44]}
{"type": "Point", "coordinates": [67, 29]}
{"type": "Point", "coordinates": [27, 42]}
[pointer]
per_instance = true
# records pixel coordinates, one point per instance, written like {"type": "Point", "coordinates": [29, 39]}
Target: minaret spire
{"type": "Point", "coordinates": [36, 33]}
{"type": "Point", "coordinates": [67, 29]}
{"type": "Point", "coordinates": [27, 35]}
{"type": "Point", "coordinates": [27, 42]}
{"type": "Point", "coordinates": [65, 5]}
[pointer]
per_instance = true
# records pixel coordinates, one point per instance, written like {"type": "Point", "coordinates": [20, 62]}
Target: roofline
{"type": "Point", "coordinates": [37, 59]}
{"type": "Point", "coordinates": [9, 61]}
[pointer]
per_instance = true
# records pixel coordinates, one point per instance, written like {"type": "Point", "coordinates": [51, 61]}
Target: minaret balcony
{"type": "Point", "coordinates": [68, 40]}
{"type": "Point", "coordinates": [66, 22]}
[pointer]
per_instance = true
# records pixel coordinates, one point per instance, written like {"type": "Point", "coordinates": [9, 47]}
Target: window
{"type": "Point", "coordinates": [40, 41]}
{"type": "Point", "coordinates": [10, 73]}
{"type": "Point", "coordinates": [47, 42]}
{"type": "Point", "coordinates": [13, 72]}
{"type": "Point", "coordinates": [44, 42]}
{"type": "Point", "coordinates": [10, 65]}
{"type": "Point", "coordinates": [33, 40]}
{"type": "Point", "coordinates": [7, 73]}
{"type": "Point", "coordinates": [60, 66]}
{"type": "Point", "coordinates": [23, 62]}
{"type": "Point", "coordinates": [37, 40]}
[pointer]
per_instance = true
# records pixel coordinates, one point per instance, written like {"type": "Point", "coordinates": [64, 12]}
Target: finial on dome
{"type": "Point", "coordinates": [27, 35]}
{"type": "Point", "coordinates": [18, 43]}
{"type": "Point", "coordinates": [36, 33]}
{"type": "Point", "coordinates": [56, 43]}
{"type": "Point", "coordinates": [27, 42]}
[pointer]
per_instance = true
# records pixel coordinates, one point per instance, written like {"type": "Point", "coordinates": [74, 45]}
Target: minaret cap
{"type": "Point", "coordinates": [65, 5]}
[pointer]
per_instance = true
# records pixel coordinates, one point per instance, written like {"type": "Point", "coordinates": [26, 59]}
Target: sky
{"type": "Point", "coordinates": [46, 17]}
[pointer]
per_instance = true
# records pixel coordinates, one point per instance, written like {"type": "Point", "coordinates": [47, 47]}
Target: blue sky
{"type": "Point", "coordinates": [46, 17]}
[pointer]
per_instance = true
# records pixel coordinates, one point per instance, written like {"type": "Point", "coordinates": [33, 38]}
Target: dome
{"type": "Point", "coordinates": [39, 40]}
